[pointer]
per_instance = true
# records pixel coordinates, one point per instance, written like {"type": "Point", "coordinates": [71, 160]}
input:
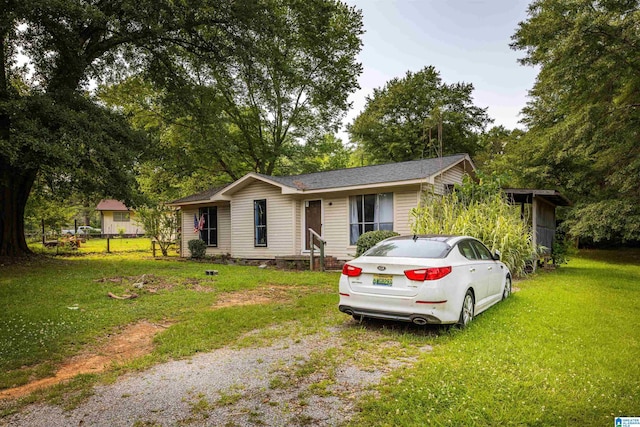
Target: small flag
{"type": "Point", "coordinates": [196, 226]}
{"type": "Point", "coordinates": [201, 223]}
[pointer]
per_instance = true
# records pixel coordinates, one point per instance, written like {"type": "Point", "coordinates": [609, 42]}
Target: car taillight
{"type": "Point", "coordinates": [433, 273]}
{"type": "Point", "coordinates": [351, 271]}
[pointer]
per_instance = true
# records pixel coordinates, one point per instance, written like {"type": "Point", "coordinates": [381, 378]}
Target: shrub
{"type": "Point", "coordinates": [370, 238]}
{"type": "Point", "coordinates": [481, 211]}
{"type": "Point", "coordinates": [160, 223]}
{"type": "Point", "coordinates": [197, 248]}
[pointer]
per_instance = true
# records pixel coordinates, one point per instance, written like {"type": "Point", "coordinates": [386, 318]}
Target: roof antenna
{"type": "Point", "coordinates": [415, 237]}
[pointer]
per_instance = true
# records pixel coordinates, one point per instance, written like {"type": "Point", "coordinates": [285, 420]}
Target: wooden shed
{"type": "Point", "coordinates": [541, 212]}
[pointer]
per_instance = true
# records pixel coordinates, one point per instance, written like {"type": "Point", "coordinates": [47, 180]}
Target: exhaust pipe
{"type": "Point", "coordinates": [419, 321]}
{"type": "Point", "coordinates": [349, 312]}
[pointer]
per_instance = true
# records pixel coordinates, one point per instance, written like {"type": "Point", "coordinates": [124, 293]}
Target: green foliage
{"type": "Point", "coordinates": [406, 119]}
{"type": "Point", "coordinates": [367, 240]}
{"type": "Point", "coordinates": [317, 154]}
{"type": "Point", "coordinates": [197, 248]}
{"type": "Point", "coordinates": [583, 123]}
{"type": "Point", "coordinates": [481, 211]}
{"type": "Point", "coordinates": [265, 105]}
{"type": "Point", "coordinates": [161, 223]}
{"type": "Point", "coordinates": [239, 84]}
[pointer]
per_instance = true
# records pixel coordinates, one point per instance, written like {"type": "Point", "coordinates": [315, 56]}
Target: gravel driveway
{"type": "Point", "coordinates": [286, 383]}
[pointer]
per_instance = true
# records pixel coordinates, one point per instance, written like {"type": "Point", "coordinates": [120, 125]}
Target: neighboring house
{"type": "Point", "coordinates": [117, 219]}
{"type": "Point", "coordinates": [264, 217]}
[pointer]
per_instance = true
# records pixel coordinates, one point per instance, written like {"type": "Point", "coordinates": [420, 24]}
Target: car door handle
{"type": "Point", "coordinates": [472, 269]}
{"type": "Point", "coordinates": [490, 268]}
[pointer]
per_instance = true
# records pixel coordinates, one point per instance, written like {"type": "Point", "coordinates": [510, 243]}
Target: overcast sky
{"type": "Point", "coordinates": [465, 40]}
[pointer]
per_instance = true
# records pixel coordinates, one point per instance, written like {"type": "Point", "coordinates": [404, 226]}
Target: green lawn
{"type": "Point", "coordinates": [97, 245]}
{"type": "Point", "coordinates": [562, 351]}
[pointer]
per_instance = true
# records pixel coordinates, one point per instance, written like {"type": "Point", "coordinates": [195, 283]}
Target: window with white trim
{"type": "Point", "coordinates": [370, 212]}
{"type": "Point", "coordinates": [209, 232]}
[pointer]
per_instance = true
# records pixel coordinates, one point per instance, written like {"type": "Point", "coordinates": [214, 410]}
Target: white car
{"type": "Point", "coordinates": [424, 279]}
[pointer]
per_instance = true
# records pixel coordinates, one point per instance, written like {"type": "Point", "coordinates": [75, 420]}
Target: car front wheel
{"type": "Point", "coordinates": [466, 314]}
{"type": "Point", "coordinates": [507, 288]}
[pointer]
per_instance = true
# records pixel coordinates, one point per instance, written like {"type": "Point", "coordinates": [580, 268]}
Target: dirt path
{"type": "Point", "coordinates": [134, 341]}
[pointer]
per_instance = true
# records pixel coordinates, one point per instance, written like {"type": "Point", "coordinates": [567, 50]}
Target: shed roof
{"type": "Point", "coordinates": [525, 195]}
{"type": "Point", "coordinates": [111, 205]}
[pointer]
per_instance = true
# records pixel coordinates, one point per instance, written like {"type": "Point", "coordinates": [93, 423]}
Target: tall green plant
{"type": "Point", "coordinates": [160, 223]}
{"type": "Point", "coordinates": [481, 211]}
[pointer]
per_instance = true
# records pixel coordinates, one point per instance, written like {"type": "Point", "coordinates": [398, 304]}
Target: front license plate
{"type": "Point", "coordinates": [382, 279]}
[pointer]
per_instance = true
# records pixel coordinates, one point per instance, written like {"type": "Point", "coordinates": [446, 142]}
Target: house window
{"type": "Point", "coordinates": [121, 217]}
{"type": "Point", "coordinates": [209, 231]}
{"type": "Point", "coordinates": [370, 212]}
{"type": "Point", "coordinates": [260, 221]}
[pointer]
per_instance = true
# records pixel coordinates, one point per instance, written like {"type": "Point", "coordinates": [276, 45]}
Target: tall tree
{"type": "Point", "coordinates": [418, 116]}
{"type": "Point", "coordinates": [584, 113]}
{"type": "Point", "coordinates": [50, 127]}
{"type": "Point", "coordinates": [233, 111]}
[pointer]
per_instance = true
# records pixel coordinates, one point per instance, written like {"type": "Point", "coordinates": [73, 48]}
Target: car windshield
{"type": "Point", "coordinates": [409, 248]}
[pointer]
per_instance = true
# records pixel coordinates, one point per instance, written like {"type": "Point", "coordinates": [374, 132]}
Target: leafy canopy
{"type": "Point", "coordinates": [406, 119]}
{"type": "Point", "coordinates": [584, 113]}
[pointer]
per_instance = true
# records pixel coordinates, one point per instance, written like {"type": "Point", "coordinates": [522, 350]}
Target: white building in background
{"type": "Point", "coordinates": [117, 219]}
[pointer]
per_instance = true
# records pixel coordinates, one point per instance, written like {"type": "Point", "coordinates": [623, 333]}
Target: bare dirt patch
{"type": "Point", "coordinates": [134, 341]}
{"type": "Point", "coordinates": [263, 295]}
{"type": "Point", "coordinates": [152, 284]}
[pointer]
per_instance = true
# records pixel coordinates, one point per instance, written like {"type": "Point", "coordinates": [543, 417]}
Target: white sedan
{"type": "Point", "coordinates": [424, 279]}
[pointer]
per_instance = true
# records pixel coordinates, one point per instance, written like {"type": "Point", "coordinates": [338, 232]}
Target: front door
{"type": "Point", "coordinates": [312, 219]}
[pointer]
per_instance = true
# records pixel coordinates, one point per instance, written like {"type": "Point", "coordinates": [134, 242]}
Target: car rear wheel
{"type": "Point", "coordinates": [466, 314]}
{"type": "Point", "coordinates": [507, 288]}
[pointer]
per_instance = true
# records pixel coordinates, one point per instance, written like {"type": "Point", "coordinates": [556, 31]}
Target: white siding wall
{"type": "Point", "coordinates": [403, 202]}
{"type": "Point", "coordinates": [451, 176]}
{"type": "Point", "coordinates": [281, 222]}
{"type": "Point", "coordinates": [109, 226]}
{"type": "Point", "coordinates": [224, 230]}
{"type": "Point", "coordinates": [336, 227]}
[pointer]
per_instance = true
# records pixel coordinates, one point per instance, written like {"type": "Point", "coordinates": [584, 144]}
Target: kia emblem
{"type": "Point", "coordinates": [382, 268]}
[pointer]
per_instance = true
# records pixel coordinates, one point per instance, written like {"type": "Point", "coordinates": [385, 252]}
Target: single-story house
{"type": "Point", "coordinates": [117, 219]}
{"type": "Point", "coordinates": [264, 217]}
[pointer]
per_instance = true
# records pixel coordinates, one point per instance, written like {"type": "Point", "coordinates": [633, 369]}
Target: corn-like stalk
{"type": "Point", "coordinates": [485, 215]}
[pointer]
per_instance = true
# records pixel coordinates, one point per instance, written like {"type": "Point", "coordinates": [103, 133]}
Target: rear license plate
{"type": "Point", "coordinates": [382, 279]}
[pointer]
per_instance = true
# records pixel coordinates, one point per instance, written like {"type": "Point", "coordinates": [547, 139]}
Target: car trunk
{"type": "Point", "coordinates": [381, 277]}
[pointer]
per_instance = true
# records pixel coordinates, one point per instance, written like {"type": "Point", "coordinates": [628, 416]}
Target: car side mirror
{"type": "Point", "coordinates": [496, 255]}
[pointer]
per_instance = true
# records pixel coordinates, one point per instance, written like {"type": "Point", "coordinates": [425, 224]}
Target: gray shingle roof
{"type": "Point", "coordinates": [376, 174]}
{"type": "Point", "coordinates": [340, 178]}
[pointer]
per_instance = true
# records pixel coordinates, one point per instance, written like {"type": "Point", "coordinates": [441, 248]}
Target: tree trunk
{"type": "Point", "coordinates": [15, 186]}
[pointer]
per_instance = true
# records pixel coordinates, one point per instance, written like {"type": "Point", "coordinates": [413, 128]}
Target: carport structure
{"type": "Point", "coordinates": [543, 205]}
